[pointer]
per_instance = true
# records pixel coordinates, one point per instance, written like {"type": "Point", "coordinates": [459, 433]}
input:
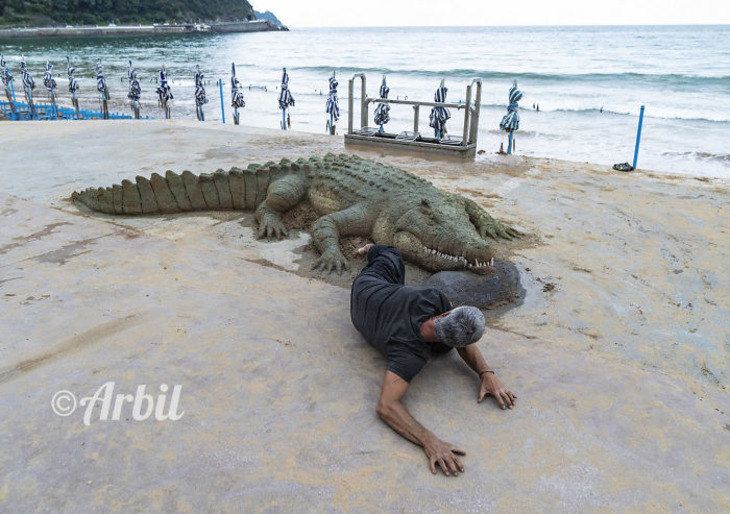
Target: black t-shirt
{"type": "Point", "coordinates": [389, 314]}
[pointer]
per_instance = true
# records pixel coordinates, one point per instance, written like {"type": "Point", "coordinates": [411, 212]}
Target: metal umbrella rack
{"type": "Point", "coordinates": [164, 93]}
{"type": "Point", "coordinates": [73, 86]}
{"type": "Point", "coordinates": [382, 111]}
{"type": "Point", "coordinates": [50, 83]}
{"type": "Point", "coordinates": [7, 78]}
{"type": "Point", "coordinates": [439, 114]}
{"type": "Point", "coordinates": [285, 100]}
{"type": "Point", "coordinates": [333, 107]}
{"type": "Point", "coordinates": [511, 121]}
{"type": "Point", "coordinates": [200, 96]}
{"type": "Point", "coordinates": [103, 90]}
{"type": "Point", "coordinates": [135, 90]}
{"type": "Point", "coordinates": [237, 101]}
{"type": "Point", "coordinates": [28, 87]}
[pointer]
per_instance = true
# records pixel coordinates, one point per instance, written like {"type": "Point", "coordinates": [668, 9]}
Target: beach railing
{"type": "Point", "coordinates": [369, 136]}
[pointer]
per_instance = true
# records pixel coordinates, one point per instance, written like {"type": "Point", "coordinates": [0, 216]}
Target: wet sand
{"type": "Point", "coordinates": [618, 353]}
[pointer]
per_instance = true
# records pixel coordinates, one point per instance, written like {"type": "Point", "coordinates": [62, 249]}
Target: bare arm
{"type": "Point", "coordinates": [489, 382]}
{"type": "Point", "coordinates": [391, 410]}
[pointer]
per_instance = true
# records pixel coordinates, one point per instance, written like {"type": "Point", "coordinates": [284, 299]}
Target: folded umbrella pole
{"type": "Point", "coordinates": [73, 85]}
{"type": "Point", "coordinates": [382, 111]}
{"type": "Point", "coordinates": [164, 93]}
{"type": "Point", "coordinates": [135, 89]}
{"type": "Point", "coordinates": [511, 121]}
{"type": "Point", "coordinates": [439, 115]}
{"type": "Point", "coordinates": [28, 87]}
{"type": "Point", "coordinates": [200, 96]}
{"type": "Point", "coordinates": [102, 88]}
{"type": "Point", "coordinates": [50, 83]}
{"type": "Point", "coordinates": [285, 100]}
{"type": "Point", "coordinates": [237, 101]}
{"type": "Point", "coordinates": [333, 107]}
{"type": "Point", "coordinates": [7, 79]}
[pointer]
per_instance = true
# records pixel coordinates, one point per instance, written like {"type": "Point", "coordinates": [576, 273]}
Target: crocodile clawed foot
{"type": "Point", "coordinates": [272, 229]}
{"type": "Point", "coordinates": [331, 260]}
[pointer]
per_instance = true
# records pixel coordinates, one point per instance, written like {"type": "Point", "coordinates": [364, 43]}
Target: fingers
{"type": "Point", "coordinates": [482, 394]}
{"type": "Point", "coordinates": [448, 462]}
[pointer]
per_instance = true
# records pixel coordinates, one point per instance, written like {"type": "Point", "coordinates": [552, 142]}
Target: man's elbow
{"type": "Point", "coordinates": [383, 409]}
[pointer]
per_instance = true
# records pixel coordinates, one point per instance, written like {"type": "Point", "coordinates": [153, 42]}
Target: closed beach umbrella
{"type": "Point", "coordinates": [164, 93]}
{"type": "Point", "coordinates": [135, 89]}
{"type": "Point", "coordinates": [201, 98]}
{"type": "Point", "coordinates": [382, 111]}
{"type": "Point", "coordinates": [511, 121]}
{"type": "Point", "coordinates": [73, 85]}
{"type": "Point", "coordinates": [28, 86]}
{"type": "Point", "coordinates": [102, 88]}
{"type": "Point", "coordinates": [50, 83]}
{"type": "Point", "coordinates": [439, 115]}
{"type": "Point", "coordinates": [285, 100]}
{"type": "Point", "coordinates": [237, 101]}
{"type": "Point", "coordinates": [333, 106]}
{"type": "Point", "coordinates": [7, 78]}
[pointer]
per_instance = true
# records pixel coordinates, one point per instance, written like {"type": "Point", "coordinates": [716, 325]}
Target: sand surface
{"type": "Point", "coordinates": [618, 353]}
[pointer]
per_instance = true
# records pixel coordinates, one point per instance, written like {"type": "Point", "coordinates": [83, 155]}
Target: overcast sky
{"type": "Point", "coordinates": [374, 13]}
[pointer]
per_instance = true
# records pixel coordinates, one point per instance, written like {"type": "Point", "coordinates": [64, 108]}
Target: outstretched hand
{"type": "Point", "coordinates": [364, 250]}
{"type": "Point", "coordinates": [491, 385]}
{"type": "Point", "coordinates": [445, 455]}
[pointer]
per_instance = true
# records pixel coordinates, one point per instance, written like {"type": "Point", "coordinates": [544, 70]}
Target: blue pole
{"type": "Point", "coordinates": [223, 111]}
{"type": "Point", "coordinates": [283, 119]}
{"type": "Point", "coordinates": [638, 135]}
{"type": "Point", "coordinates": [509, 146]}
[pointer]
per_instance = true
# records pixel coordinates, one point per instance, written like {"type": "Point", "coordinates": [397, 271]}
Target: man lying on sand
{"type": "Point", "coordinates": [408, 325]}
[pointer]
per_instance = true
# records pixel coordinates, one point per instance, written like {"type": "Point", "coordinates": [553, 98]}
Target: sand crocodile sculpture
{"type": "Point", "coordinates": [352, 197]}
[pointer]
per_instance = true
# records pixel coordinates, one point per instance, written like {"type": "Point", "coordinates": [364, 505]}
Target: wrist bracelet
{"type": "Point", "coordinates": [487, 371]}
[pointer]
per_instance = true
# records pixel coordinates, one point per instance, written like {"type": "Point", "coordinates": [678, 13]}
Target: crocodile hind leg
{"type": "Point", "coordinates": [357, 220]}
{"type": "Point", "coordinates": [281, 196]}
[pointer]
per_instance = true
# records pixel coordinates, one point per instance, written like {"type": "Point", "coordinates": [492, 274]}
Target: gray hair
{"type": "Point", "coordinates": [463, 326]}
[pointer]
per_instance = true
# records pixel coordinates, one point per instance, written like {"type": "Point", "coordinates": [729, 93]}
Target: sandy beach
{"type": "Point", "coordinates": [618, 352]}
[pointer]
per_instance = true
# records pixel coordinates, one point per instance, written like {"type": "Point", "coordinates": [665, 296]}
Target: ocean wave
{"type": "Point", "coordinates": [673, 79]}
{"type": "Point", "coordinates": [701, 156]}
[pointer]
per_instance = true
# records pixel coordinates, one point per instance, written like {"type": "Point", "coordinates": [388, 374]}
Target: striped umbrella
{"type": "Point", "coordinates": [511, 121]}
{"type": "Point", "coordinates": [285, 100]}
{"type": "Point", "coordinates": [102, 88]}
{"type": "Point", "coordinates": [164, 93]}
{"type": "Point", "coordinates": [50, 83]}
{"type": "Point", "coordinates": [439, 115]}
{"type": "Point", "coordinates": [73, 85]}
{"type": "Point", "coordinates": [333, 107]}
{"type": "Point", "coordinates": [200, 96]}
{"type": "Point", "coordinates": [237, 101]}
{"type": "Point", "coordinates": [28, 86]}
{"type": "Point", "coordinates": [7, 78]}
{"type": "Point", "coordinates": [5, 74]}
{"type": "Point", "coordinates": [135, 89]}
{"type": "Point", "coordinates": [382, 111]}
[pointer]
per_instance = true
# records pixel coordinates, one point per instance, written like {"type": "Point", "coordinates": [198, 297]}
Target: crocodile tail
{"type": "Point", "coordinates": [222, 190]}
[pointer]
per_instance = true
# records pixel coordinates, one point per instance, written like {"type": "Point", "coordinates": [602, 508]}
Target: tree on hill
{"type": "Point", "coordinates": [85, 12]}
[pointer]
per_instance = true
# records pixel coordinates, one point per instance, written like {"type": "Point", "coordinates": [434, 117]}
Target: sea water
{"type": "Point", "coordinates": [582, 87]}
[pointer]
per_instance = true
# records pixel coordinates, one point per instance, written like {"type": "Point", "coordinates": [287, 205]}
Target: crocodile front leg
{"type": "Point", "coordinates": [354, 221]}
{"type": "Point", "coordinates": [281, 196]}
{"type": "Point", "coordinates": [486, 225]}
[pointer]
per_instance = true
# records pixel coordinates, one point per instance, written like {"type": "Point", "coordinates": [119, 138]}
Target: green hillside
{"type": "Point", "coordinates": [85, 12]}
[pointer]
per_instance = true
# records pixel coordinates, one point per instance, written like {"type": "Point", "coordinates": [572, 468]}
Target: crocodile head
{"type": "Point", "coordinates": [436, 233]}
